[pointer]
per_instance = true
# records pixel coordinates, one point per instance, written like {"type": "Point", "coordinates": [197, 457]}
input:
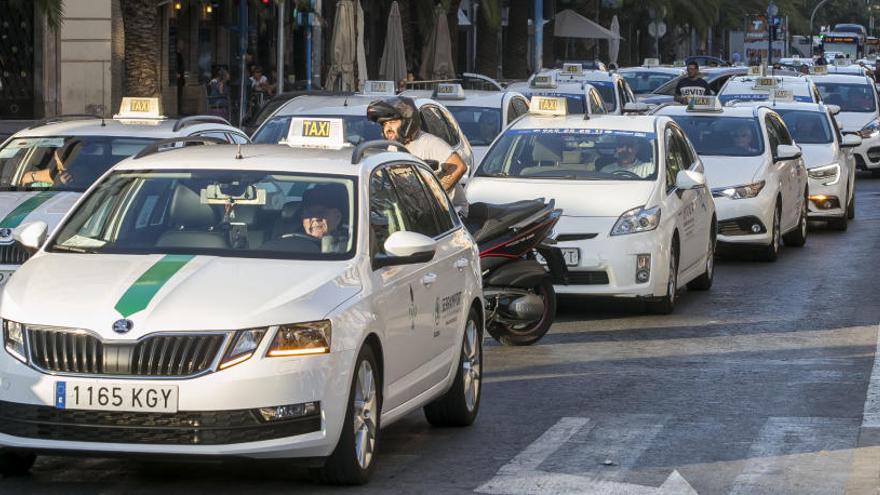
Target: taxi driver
{"type": "Point", "coordinates": [627, 159]}
{"type": "Point", "coordinates": [324, 214]}
{"type": "Point", "coordinates": [743, 138]}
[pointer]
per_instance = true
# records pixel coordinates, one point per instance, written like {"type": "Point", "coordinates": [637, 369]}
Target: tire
{"type": "Point", "coordinates": [16, 463]}
{"type": "Point", "coordinates": [704, 281]}
{"type": "Point", "coordinates": [461, 403]}
{"type": "Point", "coordinates": [351, 464]}
{"type": "Point", "coordinates": [666, 304]}
{"type": "Point", "coordinates": [533, 333]}
{"type": "Point", "coordinates": [771, 252]}
{"type": "Point", "coordinates": [851, 207]}
{"type": "Point", "coordinates": [798, 236]}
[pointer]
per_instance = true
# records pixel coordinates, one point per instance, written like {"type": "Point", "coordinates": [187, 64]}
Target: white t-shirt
{"type": "Point", "coordinates": [429, 147]}
{"type": "Point", "coordinates": [642, 169]}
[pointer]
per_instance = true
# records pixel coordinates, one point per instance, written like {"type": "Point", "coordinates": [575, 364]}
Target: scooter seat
{"type": "Point", "coordinates": [486, 220]}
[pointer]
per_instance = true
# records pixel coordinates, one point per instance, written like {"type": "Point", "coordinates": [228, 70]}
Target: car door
{"type": "Point", "coordinates": [796, 177]}
{"type": "Point", "coordinates": [702, 198]}
{"type": "Point", "coordinates": [681, 203]}
{"type": "Point", "coordinates": [779, 171]}
{"type": "Point", "coordinates": [402, 303]}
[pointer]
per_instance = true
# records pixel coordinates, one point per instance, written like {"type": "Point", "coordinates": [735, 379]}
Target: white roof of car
{"type": "Point", "coordinates": [472, 98]}
{"type": "Point", "coordinates": [158, 129]}
{"type": "Point", "coordinates": [676, 71]}
{"type": "Point", "coordinates": [744, 85]}
{"type": "Point", "coordinates": [783, 105]}
{"type": "Point", "coordinates": [640, 123]}
{"type": "Point", "coordinates": [842, 79]}
{"type": "Point", "coordinates": [734, 111]}
{"type": "Point", "coordinates": [355, 104]}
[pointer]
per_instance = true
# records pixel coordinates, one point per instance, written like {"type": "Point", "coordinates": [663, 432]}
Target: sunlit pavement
{"type": "Point", "coordinates": [762, 385]}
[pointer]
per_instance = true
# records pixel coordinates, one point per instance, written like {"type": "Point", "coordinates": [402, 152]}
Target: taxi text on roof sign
{"type": "Point", "coordinates": [573, 69]}
{"type": "Point", "coordinates": [548, 105]}
{"type": "Point", "coordinates": [448, 91]}
{"type": "Point", "coordinates": [316, 133]}
{"type": "Point", "coordinates": [783, 95]}
{"type": "Point", "coordinates": [379, 88]}
{"type": "Point", "coordinates": [704, 104]}
{"type": "Point", "coordinates": [819, 70]}
{"type": "Point", "coordinates": [140, 108]}
{"type": "Point", "coordinates": [756, 70]}
{"type": "Point", "coordinates": [765, 83]}
{"type": "Point", "coordinates": [544, 80]}
{"type": "Point", "coordinates": [651, 62]}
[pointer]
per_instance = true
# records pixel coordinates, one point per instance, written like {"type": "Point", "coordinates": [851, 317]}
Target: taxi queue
{"type": "Point", "coordinates": [288, 299]}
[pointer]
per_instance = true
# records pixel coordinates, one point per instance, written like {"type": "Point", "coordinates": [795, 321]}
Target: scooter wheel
{"type": "Point", "coordinates": [528, 335]}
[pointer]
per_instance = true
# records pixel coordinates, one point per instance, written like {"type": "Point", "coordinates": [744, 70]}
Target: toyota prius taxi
{"type": "Point", "coordinates": [267, 302]}
{"type": "Point", "coordinates": [638, 220]}
{"type": "Point", "coordinates": [756, 171]}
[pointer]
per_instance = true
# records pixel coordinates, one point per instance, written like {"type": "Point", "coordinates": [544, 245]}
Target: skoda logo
{"type": "Point", "coordinates": [122, 326]}
{"type": "Point", "coordinates": [5, 234]}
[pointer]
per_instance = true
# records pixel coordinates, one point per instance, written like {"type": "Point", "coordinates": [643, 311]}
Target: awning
{"type": "Point", "coordinates": [570, 24]}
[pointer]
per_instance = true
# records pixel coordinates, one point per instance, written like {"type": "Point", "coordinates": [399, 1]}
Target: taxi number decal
{"type": "Point", "coordinates": [316, 128]}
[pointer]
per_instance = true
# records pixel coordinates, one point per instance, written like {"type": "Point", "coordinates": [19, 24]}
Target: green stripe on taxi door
{"type": "Point", "coordinates": [142, 291]}
{"type": "Point", "coordinates": [16, 216]}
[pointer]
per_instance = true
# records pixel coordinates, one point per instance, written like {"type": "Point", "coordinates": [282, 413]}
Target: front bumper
{"type": "Point", "coordinates": [867, 154]}
{"type": "Point", "coordinates": [216, 412]}
{"type": "Point", "coordinates": [746, 212]}
{"type": "Point", "coordinates": [828, 201]}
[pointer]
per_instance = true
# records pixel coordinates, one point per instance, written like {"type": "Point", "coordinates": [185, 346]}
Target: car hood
{"type": "Point", "coordinates": [853, 121]}
{"type": "Point", "coordinates": [818, 154]}
{"type": "Point", "coordinates": [725, 171]}
{"type": "Point", "coordinates": [654, 99]}
{"type": "Point", "coordinates": [159, 292]}
{"type": "Point", "coordinates": [17, 208]}
{"type": "Point", "coordinates": [576, 198]}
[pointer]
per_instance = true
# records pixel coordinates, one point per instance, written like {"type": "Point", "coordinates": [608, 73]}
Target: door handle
{"type": "Point", "coordinates": [429, 279]}
{"type": "Point", "coordinates": [462, 263]}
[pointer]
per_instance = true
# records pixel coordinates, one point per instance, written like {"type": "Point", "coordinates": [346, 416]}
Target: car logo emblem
{"type": "Point", "coordinates": [122, 326]}
{"type": "Point", "coordinates": [5, 234]}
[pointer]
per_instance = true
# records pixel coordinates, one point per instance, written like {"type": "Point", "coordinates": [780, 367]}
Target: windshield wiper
{"type": "Point", "coordinates": [72, 249]}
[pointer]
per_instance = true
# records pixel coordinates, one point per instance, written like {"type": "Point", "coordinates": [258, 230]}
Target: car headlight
{"type": "Point", "coordinates": [13, 340]}
{"type": "Point", "coordinates": [243, 345]}
{"type": "Point", "coordinates": [301, 339]}
{"type": "Point", "coordinates": [639, 219]}
{"type": "Point", "coordinates": [739, 192]}
{"type": "Point", "coordinates": [871, 129]}
{"type": "Point", "coordinates": [827, 174]}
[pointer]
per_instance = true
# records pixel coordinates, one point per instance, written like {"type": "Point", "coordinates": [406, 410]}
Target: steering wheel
{"type": "Point", "coordinates": [626, 173]}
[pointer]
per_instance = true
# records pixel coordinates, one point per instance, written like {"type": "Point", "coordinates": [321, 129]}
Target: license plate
{"type": "Point", "coordinates": [5, 275]}
{"type": "Point", "coordinates": [101, 396]}
{"type": "Point", "coordinates": [572, 256]}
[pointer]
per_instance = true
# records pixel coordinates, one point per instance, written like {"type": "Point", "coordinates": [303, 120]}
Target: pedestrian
{"type": "Point", "coordinates": [691, 85]}
{"type": "Point", "coordinates": [218, 93]}
{"type": "Point", "coordinates": [735, 58]}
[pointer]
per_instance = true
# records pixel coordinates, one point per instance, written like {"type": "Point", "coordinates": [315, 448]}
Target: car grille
{"type": "Point", "coordinates": [13, 254]}
{"type": "Point", "coordinates": [182, 428]}
{"type": "Point", "coordinates": [163, 355]}
{"type": "Point", "coordinates": [740, 226]}
{"type": "Point", "coordinates": [583, 278]}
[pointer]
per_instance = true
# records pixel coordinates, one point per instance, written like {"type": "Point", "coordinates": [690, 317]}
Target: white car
{"type": "Point", "coordinates": [755, 169]}
{"type": "Point", "coordinates": [352, 109]}
{"type": "Point", "coordinates": [638, 232]}
{"type": "Point", "coordinates": [827, 153]}
{"type": "Point", "coordinates": [481, 114]}
{"type": "Point", "coordinates": [255, 302]}
{"type": "Point", "coordinates": [859, 114]}
{"type": "Point", "coordinates": [571, 81]}
{"type": "Point", "coordinates": [770, 88]}
{"type": "Point", "coordinates": [45, 168]}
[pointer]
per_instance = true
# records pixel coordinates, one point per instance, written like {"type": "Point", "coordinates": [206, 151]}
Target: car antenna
{"type": "Point", "coordinates": [345, 103]}
{"type": "Point", "coordinates": [238, 153]}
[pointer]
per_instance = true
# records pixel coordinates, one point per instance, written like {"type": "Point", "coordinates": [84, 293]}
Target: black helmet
{"type": "Point", "coordinates": [397, 107]}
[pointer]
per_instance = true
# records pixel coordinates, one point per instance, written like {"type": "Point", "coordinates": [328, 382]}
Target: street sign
{"type": "Point", "coordinates": [657, 29]}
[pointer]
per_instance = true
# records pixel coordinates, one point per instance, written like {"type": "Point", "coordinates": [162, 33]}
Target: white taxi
{"type": "Point", "coordinates": [859, 114]}
{"type": "Point", "coordinates": [46, 167]}
{"type": "Point", "coordinates": [650, 76]}
{"type": "Point", "coordinates": [480, 114]}
{"type": "Point", "coordinates": [352, 109]}
{"type": "Point", "coordinates": [638, 220]}
{"type": "Point", "coordinates": [258, 302]}
{"type": "Point", "coordinates": [755, 169]}
{"type": "Point", "coordinates": [576, 87]}
{"type": "Point", "coordinates": [769, 88]}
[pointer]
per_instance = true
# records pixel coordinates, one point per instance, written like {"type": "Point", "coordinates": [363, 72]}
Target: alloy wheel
{"type": "Point", "coordinates": [471, 366]}
{"type": "Point", "coordinates": [366, 412]}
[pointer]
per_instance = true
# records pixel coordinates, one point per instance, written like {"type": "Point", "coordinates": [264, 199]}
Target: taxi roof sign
{"type": "Point", "coordinates": [315, 132]}
{"type": "Point", "coordinates": [651, 62]}
{"type": "Point", "coordinates": [133, 108]}
{"type": "Point", "coordinates": [573, 69]}
{"type": "Point", "coordinates": [704, 104]}
{"type": "Point", "coordinates": [548, 105]}
{"type": "Point", "coordinates": [449, 91]}
{"type": "Point", "coordinates": [379, 88]}
{"type": "Point", "coordinates": [783, 95]}
{"type": "Point", "coordinates": [756, 70]}
{"type": "Point", "coordinates": [765, 83]}
{"type": "Point", "coordinates": [841, 62]}
{"type": "Point", "coordinates": [819, 70]}
{"type": "Point", "coordinates": [544, 80]}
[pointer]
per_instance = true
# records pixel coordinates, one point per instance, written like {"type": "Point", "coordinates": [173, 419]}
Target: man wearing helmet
{"type": "Point", "coordinates": [400, 121]}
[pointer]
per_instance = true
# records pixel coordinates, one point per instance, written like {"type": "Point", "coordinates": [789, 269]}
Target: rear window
{"type": "Point", "coordinates": [807, 127]}
{"type": "Point", "coordinates": [849, 97]}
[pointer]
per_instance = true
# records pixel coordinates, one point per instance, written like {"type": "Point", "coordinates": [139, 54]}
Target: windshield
{"type": "Point", "coordinates": [575, 103]}
{"type": "Point", "coordinates": [358, 128]}
{"type": "Point", "coordinates": [807, 127]}
{"type": "Point", "coordinates": [643, 82]}
{"type": "Point", "coordinates": [582, 154]}
{"type": "Point", "coordinates": [849, 97]}
{"type": "Point", "coordinates": [606, 90]}
{"type": "Point", "coordinates": [727, 136]}
{"type": "Point", "coordinates": [215, 212]}
{"type": "Point", "coordinates": [62, 163]}
{"type": "Point", "coordinates": [481, 125]}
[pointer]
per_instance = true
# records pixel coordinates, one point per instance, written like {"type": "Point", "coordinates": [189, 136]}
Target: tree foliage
{"type": "Point", "coordinates": [52, 9]}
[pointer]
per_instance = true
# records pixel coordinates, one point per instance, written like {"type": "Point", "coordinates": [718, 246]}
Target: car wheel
{"type": "Point", "coordinates": [798, 236]}
{"type": "Point", "coordinates": [851, 207]}
{"type": "Point", "coordinates": [666, 304]}
{"type": "Point", "coordinates": [352, 461]}
{"type": "Point", "coordinates": [16, 463]}
{"type": "Point", "coordinates": [460, 404]}
{"type": "Point", "coordinates": [771, 252]}
{"type": "Point", "coordinates": [704, 281]}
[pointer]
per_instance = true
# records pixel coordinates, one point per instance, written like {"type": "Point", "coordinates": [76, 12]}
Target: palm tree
{"type": "Point", "coordinates": [516, 46]}
{"type": "Point", "coordinates": [52, 9]}
{"type": "Point", "coordinates": [142, 56]}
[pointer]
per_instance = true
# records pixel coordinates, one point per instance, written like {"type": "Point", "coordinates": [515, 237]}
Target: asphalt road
{"type": "Point", "coordinates": [762, 385]}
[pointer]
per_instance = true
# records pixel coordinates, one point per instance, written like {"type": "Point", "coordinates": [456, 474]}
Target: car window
{"type": "Point", "coordinates": [597, 104]}
{"type": "Point", "coordinates": [480, 124]}
{"type": "Point", "coordinates": [521, 105]}
{"type": "Point", "coordinates": [451, 128]}
{"type": "Point", "coordinates": [676, 159]}
{"type": "Point", "coordinates": [238, 138]}
{"type": "Point", "coordinates": [415, 200]}
{"type": "Point", "coordinates": [512, 114]}
{"type": "Point", "coordinates": [686, 150]}
{"type": "Point", "coordinates": [216, 135]}
{"type": "Point", "coordinates": [386, 211]}
{"type": "Point", "coordinates": [772, 136]}
{"type": "Point", "coordinates": [718, 83]}
{"type": "Point", "coordinates": [726, 136]}
{"type": "Point", "coordinates": [849, 97]}
{"type": "Point", "coordinates": [808, 127]}
{"type": "Point", "coordinates": [434, 123]}
{"type": "Point", "coordinates": [781, 130]}
{"type": "Point", "coordinates": [444, 213]}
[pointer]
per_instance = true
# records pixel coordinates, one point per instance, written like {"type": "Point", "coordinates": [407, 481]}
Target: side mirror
{"type": "Point", "coordinates": [31, 235]}
{"type": "Point", "coordinates": [851, 141]}
{"type": "Point", "coordinates": [787, 152]}
{"type": "Point", "coordinates": [636, 107]}
{"type": "Point", "coordinates": [406, 248]}
{"type": "Point", "coordinates": [688, 179]}
{"type": "Point", "coordinates": [834, 109]}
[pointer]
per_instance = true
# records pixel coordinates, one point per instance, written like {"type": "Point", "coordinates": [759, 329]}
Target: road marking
{"type": "Point", "coordinates": [799, 455]}
{"type": "Point", "coordinates": [871, 414]}
{"type": "Point", "coordinates": [521, 475]}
